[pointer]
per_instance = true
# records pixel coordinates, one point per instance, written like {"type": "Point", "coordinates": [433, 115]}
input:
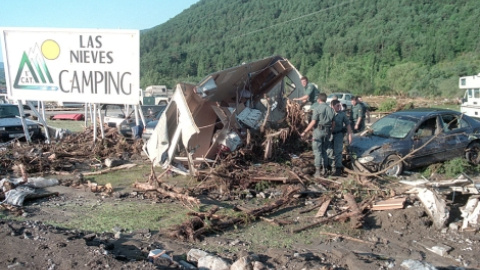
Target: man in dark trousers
{"type": "Point", "coordinates": [342, 126]}
{"type": "Point", "coordinates": [357, 115]}
{"type": "Point", "coordinates": [322, 121]}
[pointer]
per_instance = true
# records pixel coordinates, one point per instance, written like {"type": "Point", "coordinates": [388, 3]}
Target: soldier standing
{"type": "Point", "coordinates": [322, 121]}
{"type": "Point", "coordinates": [357, 115]}
{"type": "Point", "coordinates": [341, 126]}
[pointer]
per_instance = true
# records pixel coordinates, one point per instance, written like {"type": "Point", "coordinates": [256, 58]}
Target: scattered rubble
{"type": "Point", "coordinates": [238, 153]}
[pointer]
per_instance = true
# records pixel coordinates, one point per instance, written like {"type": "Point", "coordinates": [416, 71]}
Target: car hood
{"type": "Point", "coordinates": [363, 145]}
{"type": "Point", "coordinates": [14, 121]}
{"type": "Point", "coordinates": [151, 125]}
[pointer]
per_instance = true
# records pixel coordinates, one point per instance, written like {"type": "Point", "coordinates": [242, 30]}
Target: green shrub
{"type": "Point", "coordinates": [388, 105]}
{"type": "Point", "coordinates": [451, 168]}
{"type": "Point", "coordinates": [457, 166]}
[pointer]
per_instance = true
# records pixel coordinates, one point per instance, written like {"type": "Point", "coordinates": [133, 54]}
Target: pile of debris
{"type": "Point", "coordinates": [74, 152]}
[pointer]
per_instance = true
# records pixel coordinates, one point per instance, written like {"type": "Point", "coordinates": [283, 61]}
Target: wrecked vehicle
{"type": "Point", "coordinates": [117, 116]}
{"type": "Point", "coordinates": [150, 126]}
{"type": "Point", "coordinates": [344, 98]}
{"type": "Point", "coordinates": [11, 124]}
{"type": "Point", "coordinates": [420, 137]}
{"type": "Point", "coordinates": [222, 111]}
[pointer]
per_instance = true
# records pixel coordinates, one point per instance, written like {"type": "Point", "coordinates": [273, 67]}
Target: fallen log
{"type": "Point", "coordinates": [282, 179]}
{"type": "Point", "coordinates": [193, 230]}
{"type": "Point", "coordinates": [122, 167]}
{"type": "Point", "coordinates": [165, 190]}
{"type": "Point", "coordinates": [356, 218]}
{"type": "Point", "coordinates": [343, 215]}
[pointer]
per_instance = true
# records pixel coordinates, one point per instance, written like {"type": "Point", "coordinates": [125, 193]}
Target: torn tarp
{"type": "Point", "coordinates": [23, 189]}
{"type": "Point", "coordinates": [215, 114]}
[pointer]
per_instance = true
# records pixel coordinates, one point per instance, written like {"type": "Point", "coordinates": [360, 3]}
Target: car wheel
{"type": "Point", "coordinates": [473, 153]}
{"type": "Point", "coordinates": [392, 170]}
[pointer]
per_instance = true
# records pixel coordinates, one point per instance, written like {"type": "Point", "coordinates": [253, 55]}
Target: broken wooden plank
{"type": "Point", "coordinates": [392, 203]}
{"type": "Point", "coordinates": [323, 208]}
{"type": "Point", "coordinates": [282, 179]}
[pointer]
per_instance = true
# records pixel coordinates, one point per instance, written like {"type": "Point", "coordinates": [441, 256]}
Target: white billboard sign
{"type": "Point", "coordinates": [72, 65]}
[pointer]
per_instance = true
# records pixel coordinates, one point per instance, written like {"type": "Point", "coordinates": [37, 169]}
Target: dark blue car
{"type": "Point", "coordinates": [423, 136]}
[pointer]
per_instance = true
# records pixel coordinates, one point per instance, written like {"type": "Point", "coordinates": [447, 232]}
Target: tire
{"type": "Point", "coordinates": [396, 170]}
{"type": "Point", "coordinates": [472, 153]}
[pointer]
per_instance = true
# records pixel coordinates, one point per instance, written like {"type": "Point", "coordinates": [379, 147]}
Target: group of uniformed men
{"type": "Point", "coordinates": [330, 123]}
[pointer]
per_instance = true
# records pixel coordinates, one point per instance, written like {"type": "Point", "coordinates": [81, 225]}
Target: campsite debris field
{"type": "Point", "coordinates": [286, 219]}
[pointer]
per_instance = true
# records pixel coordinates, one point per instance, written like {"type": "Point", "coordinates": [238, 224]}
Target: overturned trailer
{"type": "Point", "coordinates": [218, 113]}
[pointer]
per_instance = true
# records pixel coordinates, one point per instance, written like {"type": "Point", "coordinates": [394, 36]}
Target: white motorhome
{"type": "Point", "coordinates": [471, 99]}
{"type": "Point", "coordinates": [155, 95]}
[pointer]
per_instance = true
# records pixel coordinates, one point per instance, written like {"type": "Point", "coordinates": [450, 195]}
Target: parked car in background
{"type": "Point", "coordinates": [344, 98]}
{"type": "Point", "coordinates": [422, 136]}
{"type": "Point", "coordinates": [148, 130]}
{"type": "Point", "coordinates": [11, 124]}
{"type": "Point", "coordinates": [117, 116]}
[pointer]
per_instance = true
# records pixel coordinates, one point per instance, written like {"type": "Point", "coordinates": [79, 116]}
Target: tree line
{"type": "Point", "coordinates": [400, 47]}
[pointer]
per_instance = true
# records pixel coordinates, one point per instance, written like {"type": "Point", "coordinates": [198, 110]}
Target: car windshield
{"type": "Point", "coordinates": [153, 112]}
{"type": "Point", "coordinates": [9, 111]}
{"type": "Point", "coordinates": [392, 127]}
{"type": "Point", "coordinates": [339, 96]}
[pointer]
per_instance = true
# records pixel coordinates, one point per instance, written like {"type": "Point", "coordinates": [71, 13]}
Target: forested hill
{"type": "Point", "coordinates": [409, 47]}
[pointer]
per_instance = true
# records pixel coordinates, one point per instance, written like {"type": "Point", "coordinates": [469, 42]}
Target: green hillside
{"type": "Point", "coordinates": [365, 46]}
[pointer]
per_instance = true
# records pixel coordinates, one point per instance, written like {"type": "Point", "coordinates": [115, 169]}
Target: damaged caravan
{"type": "Point", "coordinates": [220, 112]}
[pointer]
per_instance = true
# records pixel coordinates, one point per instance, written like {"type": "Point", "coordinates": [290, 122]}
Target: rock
{"type": "Point", "coordinates": [244, 263]}
{"type": "Point", "coordinates": [195, 254]}
{"type": "Point", "coordinates": [113, 162]}
{"type": "Point", "coordinates": [417, 265]}
{"type": "Point", "coordinates": [90, 237]}
{"type": "Point", "coordinates": [211, 262]}
{"type": "Point", "coordinates": [258, 266]}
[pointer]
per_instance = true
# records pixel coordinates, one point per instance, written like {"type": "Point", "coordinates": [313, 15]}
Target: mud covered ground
{"type": "Point", "coordinates": [388, 239]}
{"type": "Point", "coordinates": [385, 241]}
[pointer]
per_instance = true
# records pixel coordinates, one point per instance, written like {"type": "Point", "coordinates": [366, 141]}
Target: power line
{"type": "Point", "coordinates": [295, 19]}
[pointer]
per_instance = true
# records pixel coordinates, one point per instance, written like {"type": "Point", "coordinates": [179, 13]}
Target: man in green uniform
{"type": "Point", "coordinates": [367, 108]}
{"type": "Point", "coordinates": [357, 115]}
{"type": "Point", "coordinates": [311, 92]}
{"type": "Point", "coordinates": [322, 121]}
{"type": "Point", "coordinates": [341, 126]}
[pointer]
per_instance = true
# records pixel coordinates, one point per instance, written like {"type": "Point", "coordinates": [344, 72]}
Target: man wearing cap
{"type": "Point", "coordinates": [341, 126]}
{"type": "Point", "coordinates": [357, 115]}
{"type": "Point", "coordinates": [322, 121]}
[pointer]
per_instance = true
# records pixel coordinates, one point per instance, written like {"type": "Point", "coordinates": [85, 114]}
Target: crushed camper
{"type": "Point", "coordinates": [221, 112]}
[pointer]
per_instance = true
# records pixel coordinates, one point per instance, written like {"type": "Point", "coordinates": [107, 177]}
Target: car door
{"type": "Point", "coordinates": [456, 132]}
{"type": "Point", "coordinates": [348, 100]}
{"type": "Point", "coordinates": [426, 142]}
